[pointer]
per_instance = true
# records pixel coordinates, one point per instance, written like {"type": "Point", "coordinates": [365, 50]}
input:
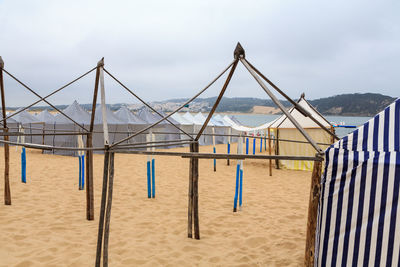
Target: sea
{"type": "Point", "coordinates": [253, 120]}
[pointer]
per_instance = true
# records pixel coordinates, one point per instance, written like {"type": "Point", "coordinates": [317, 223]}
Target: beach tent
{"type": "Point", "coordinates": [116, 128]}
{"type": "Point", "coordinates": [63, 124]}
{"type": "Point", "coordinates": [185, 124]}
{"type": "Point", "coordinates": [284, 129]}
{"type": "Point", "coordinates": [12, 125]}
{"type": "Point", "coordinates": [30, 124]}
{"type": "Point", "coordinates": [134, 124]}
{"type": "Point", "coordinates": [47, 120]}
{"type": "Point", "coordinates": [358, 213]}
{"type": "Point", "coordinates": [166, 131]}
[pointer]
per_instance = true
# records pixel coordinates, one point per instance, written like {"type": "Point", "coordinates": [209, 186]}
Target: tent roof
{"type": "Point", "coordinates": [75, 112]}
{"type": "Point", "coordinates": [10, 120]}
{"type": "Point", "coordinates": [181, 120]}
{"type": "Point", "coordinates": [381, 133]}
{"type": "Point", "coordinates": [125, 115]}
{"type": "Point", "coordinates": [283, 122]}
{"type": "Point", "coordinates": [191, 118]}
{"type": "Point", "coordinates": [145, 114]}
{"type": "Point", "coordinates": [201, 118]}
{"type": "Point", "coordinates": [45, 116]}
{"type": "Point", "coordinates": [24, 117]}
{"type": "Point", "coordinates": [111, 117]}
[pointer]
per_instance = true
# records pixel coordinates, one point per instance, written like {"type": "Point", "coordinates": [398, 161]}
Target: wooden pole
{"type": "Point", "coordinates": [270, 151]}
{"type": "Point", "coordinates": [313, 213]}
{"type": "Point", "coordinates": [89, 156]}
{"type": "Point", "coordinates": [277, 147]}
{"type": "Point", "coordinates": [190, 195]}
{"type": "Point", "coordinates": [108, 210]}
{"type": "Point", "coordinates": [196, 193]}
{"type": "Point", "coordinates": [332, 137]}
{"type": "Point", "coordinates": [102, 207]}
{"type": "Point", "coordinates": [7, 191]}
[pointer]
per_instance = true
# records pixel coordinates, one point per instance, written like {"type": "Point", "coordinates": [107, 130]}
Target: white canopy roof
{"type": "Point", "coordinates": [45, 116]}
{"type": "Point", "coordinates": [283, 122]}
{"type": "Point", "coordinates": [125, 115]}
{"type": "Point", "coordinates": [24, 117]}
{"type": "Point", "coordinates": [75, 112]}
{"type": "Point", "coordinates": [181, 120]}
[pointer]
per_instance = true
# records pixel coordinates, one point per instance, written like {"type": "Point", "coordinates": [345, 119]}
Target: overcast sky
{"type": "Point", "coordinates": [171, 49]}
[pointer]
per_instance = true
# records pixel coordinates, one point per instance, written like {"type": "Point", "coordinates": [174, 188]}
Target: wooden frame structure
{"type": "Point", "coordinates": [194, 155]}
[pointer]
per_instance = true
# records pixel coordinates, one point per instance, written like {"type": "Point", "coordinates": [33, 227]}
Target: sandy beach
{"type": "Point", "coordinates": [46, 224]}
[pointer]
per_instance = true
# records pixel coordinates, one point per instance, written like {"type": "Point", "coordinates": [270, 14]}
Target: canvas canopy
{"type": "Point", "coordinates": [45, 116]}
{"type": "Point", "coordinates": [358, 214]}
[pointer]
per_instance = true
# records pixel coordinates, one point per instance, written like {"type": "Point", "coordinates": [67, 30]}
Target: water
{"type": "Point", "coordinates": [253, 120]}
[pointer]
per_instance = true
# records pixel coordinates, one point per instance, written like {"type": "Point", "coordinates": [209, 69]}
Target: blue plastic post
{"type": "Point", "coordinates": [83, 173]}
{"type": "Point", "coordinates": [148, 180]}
{"type": "Point", "coordinates": [254, 146]}
{"type": "Point", "coordinates": [80, 173]}
{"type": "Point", "coordinates": [261, 144]}
{"type": "Point", "coordinates": [23, 165]}
{"type": "Point", "coordinates": [229, 151]}
{"type": "Point", "coordinates": [247, 146]}
{"type": "Point", "coordinates": [215, 161]}
{"type": "Point", "coordinates": [236, 188]}
{"type": "Point", "coordinates": [265, 143]}
{"type": "Point", "coordinates": [153, 179]}
{"type": "Point", "coordinates": [241, 187]}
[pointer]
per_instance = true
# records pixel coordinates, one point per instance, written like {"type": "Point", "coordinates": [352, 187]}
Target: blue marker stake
{"type": "Point", "coordinates": [229, 151]}
{"type": "Point", "coordinates": [240, 188]}
{"type": "Point", "coordinates": [247, 146]}
{"type": "Point", "coordinates": [153, 179]}
{"type": "Point", "coordinates": [80, 173]}
{"type": "Point", "coordinates": [236, 188]}
{"type": "Point", "coordinates": [254, 146]}
{"type": "Point", "coordinates": [23, 165]}
{"type": "Point", "coordinates": [261, 144]}
{"type": "Point", "coordinates": [215, 161]}
{"type": "Point", "coordinates": [83, 173]}
{"type": "Point", "coordinates": [148, 180]}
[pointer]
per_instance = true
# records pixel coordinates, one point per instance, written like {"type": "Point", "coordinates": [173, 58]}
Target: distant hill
{"type": "Point", "coordinates": [367, 104]}
{"type": "Point", "coordinates": [352, 104]}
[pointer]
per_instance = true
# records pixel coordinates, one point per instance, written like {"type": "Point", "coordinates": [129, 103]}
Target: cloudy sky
{"type": "Point", "coordinates": [171, 49]}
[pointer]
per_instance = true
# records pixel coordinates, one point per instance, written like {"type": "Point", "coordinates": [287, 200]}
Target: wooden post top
{"type": "Point", "coordinates": [101, 62]}
{"type": "Point", "coordinates": [239, 51]}
{"type": "Point", "coordinates": [1, 63]}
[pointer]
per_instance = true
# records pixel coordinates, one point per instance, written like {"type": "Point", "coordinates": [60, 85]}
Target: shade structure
{"type": "Point", "coordinates": [358, 214]}
{"type": "Point", "coordinates": [185, 124]}
{"type": "Point", "coordinates": [12, 124]}
{"type": "Point", "coordinates": [285, 130]}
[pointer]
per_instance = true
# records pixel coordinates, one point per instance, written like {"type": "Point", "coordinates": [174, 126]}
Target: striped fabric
{"type": "Point", "coordinates": [358, 215]}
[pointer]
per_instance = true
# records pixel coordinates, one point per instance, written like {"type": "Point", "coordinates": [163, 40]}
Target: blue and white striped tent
{"type": "Point", "coordinates": [358, 215]}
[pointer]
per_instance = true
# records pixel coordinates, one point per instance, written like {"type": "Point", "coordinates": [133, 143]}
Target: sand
{"type": "Point", "coordinates": [46, 225]}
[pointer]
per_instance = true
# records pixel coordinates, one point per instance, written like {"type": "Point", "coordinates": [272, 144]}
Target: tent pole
{"type": "Point", "coordinates": [312, 213]}
{"type": "Point", "coordinates": [89, 144]}
{"type": "Point", "coordinates": [281, 107]}
{"type": "Point", "coordinates": [190, 195]}
{"type": "Point", "coordinates": [270, 151]}
{"type": "Point", "coordinates": [7, 192]}
{"type": "Point", "coordinates": [277, 147]}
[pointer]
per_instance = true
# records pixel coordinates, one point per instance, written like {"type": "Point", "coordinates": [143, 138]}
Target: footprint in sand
{"type": "Point", "coordinates": [254, 242]}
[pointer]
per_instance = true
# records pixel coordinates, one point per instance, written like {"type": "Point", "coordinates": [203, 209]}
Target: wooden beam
{"type": "Point", "coordinates": [89, 153]}
{"type": "Point", "coordinates": [190, 196]}
{"type": "Point", "coordinates": [312, 214]}
{"type": "Point", "coordinates": [102, 208]}
{"type": "Point", "coordinates": [221, 94]}
{"type": "Point", "coordinates": [108, 210]}
{"type": "Point", "coordinates": [7, 191]}
{"type": "Point", "coordinates": [270, 151]}
{"type": "Point", "coordinates": [196, 193]}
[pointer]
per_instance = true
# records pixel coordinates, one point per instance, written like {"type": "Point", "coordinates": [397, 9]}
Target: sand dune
{"type": "Point", "coordinates": [46, 225]}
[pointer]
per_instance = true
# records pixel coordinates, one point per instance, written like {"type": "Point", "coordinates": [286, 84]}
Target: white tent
{"type": "Point", "coordinates": [284, 129]}
{"type": "Point", "coordinates": [134, 123]}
